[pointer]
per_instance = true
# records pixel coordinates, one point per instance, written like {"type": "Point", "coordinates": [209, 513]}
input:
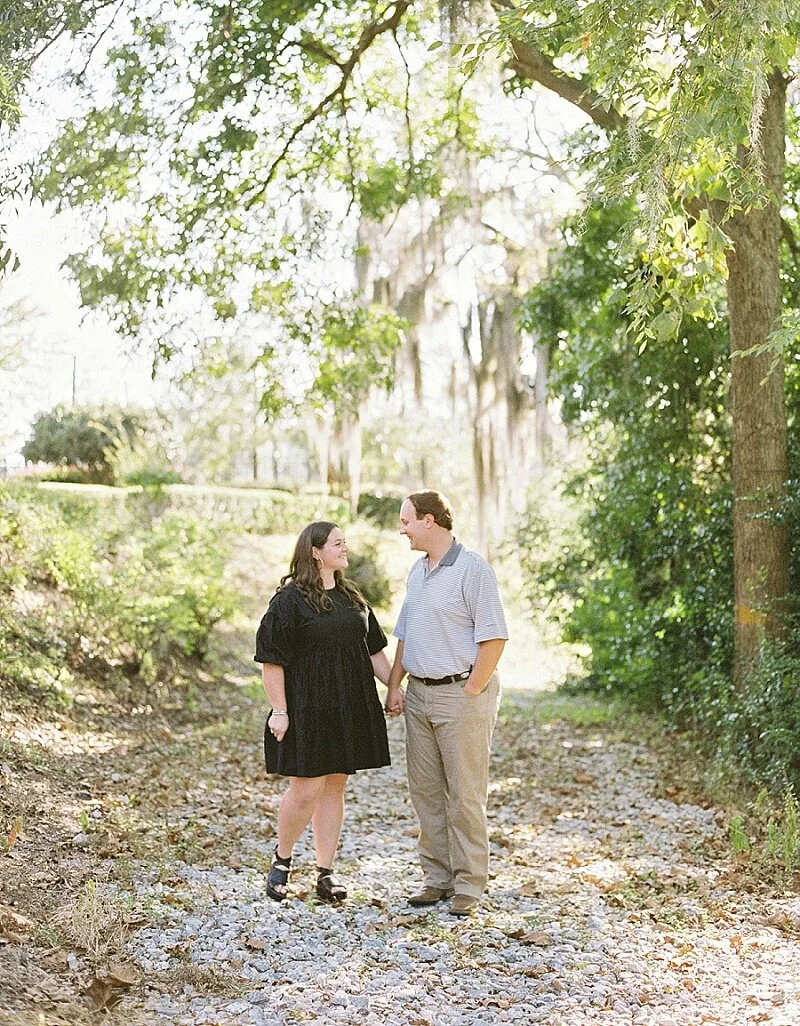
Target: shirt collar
{"type": "Point", "coordinates": [451, 555]}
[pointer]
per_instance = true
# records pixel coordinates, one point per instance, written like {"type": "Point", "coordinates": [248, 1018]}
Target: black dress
{"type": "Point", "coordinates": [336, 723]}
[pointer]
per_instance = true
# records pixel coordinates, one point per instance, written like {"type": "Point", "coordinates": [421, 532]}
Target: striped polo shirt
{"type": "Point", "coordinates": [448, 612]}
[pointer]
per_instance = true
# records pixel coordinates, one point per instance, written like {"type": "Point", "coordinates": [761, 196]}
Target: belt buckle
{"type": "Point", "coordinates": [451, 678]}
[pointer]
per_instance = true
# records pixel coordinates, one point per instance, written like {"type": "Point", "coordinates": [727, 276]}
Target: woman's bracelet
{"type": "Point", "coordinates": [279, 712]}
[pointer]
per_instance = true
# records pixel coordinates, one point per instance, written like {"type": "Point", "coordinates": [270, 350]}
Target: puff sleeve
{"type": "Point", "coordinates": [376, 639]}
{"type": "Point", "coordinates": [277, 633]}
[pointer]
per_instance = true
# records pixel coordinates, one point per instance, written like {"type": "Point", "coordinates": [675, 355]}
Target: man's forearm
{"type": "Point", "coordinates": [486, 661]}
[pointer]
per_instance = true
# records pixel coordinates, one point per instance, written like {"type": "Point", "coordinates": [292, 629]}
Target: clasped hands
{"type": "Point", "coordinates": [395, 701]}
{"type": "Point", "coordinates": [396, 698]}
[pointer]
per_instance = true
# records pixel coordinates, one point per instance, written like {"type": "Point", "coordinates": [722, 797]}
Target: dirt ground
{"type": "Point", "coordinates": [589, 825]}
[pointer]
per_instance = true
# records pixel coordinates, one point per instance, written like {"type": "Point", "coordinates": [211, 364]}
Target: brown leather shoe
{"type": "Point", "coordinates": [463, 905]}
{"type": "Point", "coordinates": [430, 895]}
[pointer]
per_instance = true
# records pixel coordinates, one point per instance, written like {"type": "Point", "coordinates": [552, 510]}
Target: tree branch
{"type": "Point", "coordinates": [313, 45]}
{"type": "Point", "coordinates": [80, 75]}
{"type": "Point", "coordinates": [366, 39]}
{"type": "Point", "coordinates": [64, 28]}
{"type": "Point", "coordinates": [529, 63]}
{"type": "Point", "coordinates": [789, 238]}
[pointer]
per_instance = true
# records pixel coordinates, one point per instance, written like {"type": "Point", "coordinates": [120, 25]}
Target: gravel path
{"type": "Point", "coordinates": [610, 903]}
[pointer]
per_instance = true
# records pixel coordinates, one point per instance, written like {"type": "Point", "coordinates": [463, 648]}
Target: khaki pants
{"type": "Point", "coordinates": [448, 744]}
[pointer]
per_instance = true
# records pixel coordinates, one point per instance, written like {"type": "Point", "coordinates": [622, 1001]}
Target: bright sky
{"type": "Point", "coordinates": [63, 336]}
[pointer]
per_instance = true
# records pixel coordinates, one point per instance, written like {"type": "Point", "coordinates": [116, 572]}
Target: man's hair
{"type": "Point", "coordinates": [435, 503]}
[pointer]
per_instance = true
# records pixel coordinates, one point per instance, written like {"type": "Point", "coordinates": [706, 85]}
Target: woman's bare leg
{"type": "Point", "coordinates": [327, 818]}
{"type": "Point", "coordinates": [296, 810]}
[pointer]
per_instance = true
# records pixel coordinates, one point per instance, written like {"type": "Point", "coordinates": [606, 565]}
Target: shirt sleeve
{"type": "Point", "coordinates": [485, 605]}
{"type": "Point", "coordinates": [376, 639]}
{"type": "Point", "coordinates": [400, 627]}
{"type": "Point", "coordinates": [277, 632]}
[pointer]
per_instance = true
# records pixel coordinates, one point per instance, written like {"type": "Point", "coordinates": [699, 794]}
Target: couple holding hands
{"type": "Point", "coordinates": [321, 647]}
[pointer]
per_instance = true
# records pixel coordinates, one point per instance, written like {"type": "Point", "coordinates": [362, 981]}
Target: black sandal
{"type": "Point", "coordinates": [328, 889]}
{"type": "Point", "coordinates": [278, 877]}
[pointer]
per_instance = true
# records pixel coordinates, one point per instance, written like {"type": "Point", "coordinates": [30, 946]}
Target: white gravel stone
{"type": "Point", "coordinates": [600, 910]}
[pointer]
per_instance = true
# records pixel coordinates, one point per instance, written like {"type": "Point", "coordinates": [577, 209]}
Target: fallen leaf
{"type": "Point", "coordinates": [102, 994]}
{"type": "Point", "coordinates": [14, 921]}
{"type": "Point", "coordinates": [530, 890]}
{"type": "Point", "coordinates": [780, 921]}
{"type": "Point", "coordinates": [124, 973]}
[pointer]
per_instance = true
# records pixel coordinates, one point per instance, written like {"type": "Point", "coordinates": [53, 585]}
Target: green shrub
{"type": "Point", "coordinates": [74, 475]}
{"type": "Point", "coordinates": [171, 578]}
{"type": "Point", "coordinates": [33, 657]}
{"type": "Point", "coordinates": [88, 582]}
{"type": "Point", "coordinates": [380, 508]}
{"type": "Point", "coordinates": [262, 511]}
{"type": "Point", "coordinates": [643, 578]}
{"type": "Point", "coordinates": [152, 477]}
{"type": "Point", "coordinates": [783, 833]}
{"type": "Point", "coordinates": [367, 571]}
{"type": "Point", "coordinates": [761, 725]}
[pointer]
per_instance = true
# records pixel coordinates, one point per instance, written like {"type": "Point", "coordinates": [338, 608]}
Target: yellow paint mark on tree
{"type": "Point", "coordinates": [749, 617]}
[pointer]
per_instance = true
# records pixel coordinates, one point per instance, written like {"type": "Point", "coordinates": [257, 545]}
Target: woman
{"type": "Point", "coordinates": [321, 648]}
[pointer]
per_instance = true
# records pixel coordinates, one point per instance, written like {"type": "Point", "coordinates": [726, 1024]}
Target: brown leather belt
{"type": "Point", "coordinates": [433, 682]}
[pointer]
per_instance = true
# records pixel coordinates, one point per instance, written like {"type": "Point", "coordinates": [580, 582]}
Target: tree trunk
{"type": "Point", "coordinates": [354, 460]}
{"type": "Point", "coordinates": [759, 446]}
{"type": "Point", "coordinates": [320, 430]}
{"type": "Point", "coordinates": [540, 384]}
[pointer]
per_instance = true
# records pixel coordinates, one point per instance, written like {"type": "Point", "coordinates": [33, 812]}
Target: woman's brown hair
{"type": "Point", "coordinates": [304, 572]}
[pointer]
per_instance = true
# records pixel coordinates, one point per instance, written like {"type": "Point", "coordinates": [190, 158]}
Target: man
{"type": "Point", "coordinates": [451, 633]}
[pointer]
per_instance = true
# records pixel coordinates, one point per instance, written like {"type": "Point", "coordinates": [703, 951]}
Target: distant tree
{"type": "Point", "coordinates": [21, 349]}
{"type": "Point", "coordinates": [82, 438]}
{"type": "Point", "coordinates": [232, 143]}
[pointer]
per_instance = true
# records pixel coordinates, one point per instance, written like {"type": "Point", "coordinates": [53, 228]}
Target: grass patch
{"type": "Point", "coordinates": [94, 919]}
{"type": "Point", "coordinates": [583, 710]}
{"type": "Point", "coordinates": [202, 980]}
